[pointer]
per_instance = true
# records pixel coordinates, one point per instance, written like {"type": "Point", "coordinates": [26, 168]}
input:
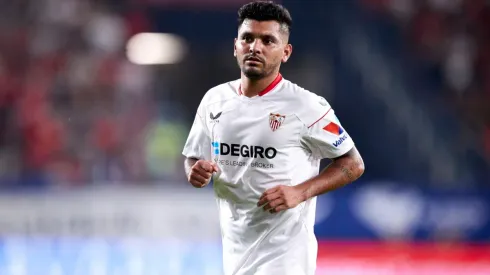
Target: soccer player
{"type": "Point", "coordinates": [261, 138]}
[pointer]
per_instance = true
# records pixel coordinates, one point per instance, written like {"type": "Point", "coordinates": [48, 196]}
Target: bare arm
{"type": "Point", "coordinates": [343, 170]}
{"type": "Point", "coordinates": [188, 163]}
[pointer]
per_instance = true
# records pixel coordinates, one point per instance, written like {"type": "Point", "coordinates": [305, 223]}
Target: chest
{"type": "Point", "coordinates": [258, 124]}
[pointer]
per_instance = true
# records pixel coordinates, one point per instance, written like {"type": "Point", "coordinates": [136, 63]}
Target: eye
{"type": "Point", "coordinates": [268, 41]}
{"type": "Point", "coordinates": [248, 38]}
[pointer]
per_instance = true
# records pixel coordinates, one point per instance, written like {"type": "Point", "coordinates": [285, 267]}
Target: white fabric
{"type": "Point", "coordinates": [236, 132]}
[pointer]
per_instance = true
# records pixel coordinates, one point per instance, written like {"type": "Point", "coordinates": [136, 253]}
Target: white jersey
{"type": "Point", "coordinates": [275, 138]}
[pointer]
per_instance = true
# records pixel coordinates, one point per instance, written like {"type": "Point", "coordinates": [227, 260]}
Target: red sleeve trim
{"type": "Point", "coordinates": [320, 118]}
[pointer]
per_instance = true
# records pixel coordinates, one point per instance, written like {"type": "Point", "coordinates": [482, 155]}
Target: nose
{"type": "Point", "coordinates": [256, 46]}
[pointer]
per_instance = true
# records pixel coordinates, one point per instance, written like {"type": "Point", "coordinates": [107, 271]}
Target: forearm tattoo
{"type": "Point", "coordinates": [340, 172]}
{"type": "Point", "coordinates": [348, 173]}
{"type": "Point", "coordinates": [350, 168]}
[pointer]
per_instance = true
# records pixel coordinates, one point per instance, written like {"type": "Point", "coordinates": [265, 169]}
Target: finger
{"type": "Point", "coordinates": [215, 167]}
{"type": "Point", "coordinates": [270, 191]}
{"type": "Point", "coordinates": [273, 204]}
{"type": "Point", "coordinates": [278, 209]}
{"type": "Point", "coordinates": [202, 173]}
{"type": "Point", "coordinates": [198, 178]}
{"type": "Point", "coordinates": [268, 198]}
{"type": "Point", "coordinates": [207, 166]}
{"type": "Point", "coordinates": [197, 184]}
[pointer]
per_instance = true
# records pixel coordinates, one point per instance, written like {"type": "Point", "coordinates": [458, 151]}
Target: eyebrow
{"type": "Point", "coordinates": [270, 36]}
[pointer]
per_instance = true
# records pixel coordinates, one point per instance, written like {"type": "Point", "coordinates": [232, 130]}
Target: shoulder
{"type": "Point", "coordinates": [219, 93]}
{"type": "Point", "coordinates": [308, 106]}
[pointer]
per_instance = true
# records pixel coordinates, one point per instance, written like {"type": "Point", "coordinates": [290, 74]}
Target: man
{"type": "Point", "coordinates": [261, 139]}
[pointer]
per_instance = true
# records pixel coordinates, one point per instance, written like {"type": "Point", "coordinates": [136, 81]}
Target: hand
{"type": "Point", "coordinates": [280, 198]}
{"type": "Point", "coordinates": [201, 173]}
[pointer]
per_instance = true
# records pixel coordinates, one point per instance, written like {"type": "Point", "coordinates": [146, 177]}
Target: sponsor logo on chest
{"type": "Point", "coordinates": [240, 150]}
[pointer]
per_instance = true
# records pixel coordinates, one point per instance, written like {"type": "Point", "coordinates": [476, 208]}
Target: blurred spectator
{"type": "Point", "coordinates": [453, 38]}
{"type": "Point", "coordinates": [70, 102]}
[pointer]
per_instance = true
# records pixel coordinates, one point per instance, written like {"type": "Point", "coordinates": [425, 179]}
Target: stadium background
{"type": "Point", "coordinates": [93, 117]}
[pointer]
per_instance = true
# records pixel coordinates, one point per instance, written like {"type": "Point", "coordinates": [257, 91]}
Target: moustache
{"type": "Point", "coordinates": [253, 58]}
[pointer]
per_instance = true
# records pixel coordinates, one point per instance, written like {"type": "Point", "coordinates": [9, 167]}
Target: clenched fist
{"type": "Point", "coordinates": [280, 198]}
{"type": "Point", "coordinates": [201, 173]}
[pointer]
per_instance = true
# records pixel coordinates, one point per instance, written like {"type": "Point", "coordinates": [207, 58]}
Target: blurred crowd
{"type": "Point", "coordinates": [72, 108]}
{"type": "Point", "coordinates": [450, 39]}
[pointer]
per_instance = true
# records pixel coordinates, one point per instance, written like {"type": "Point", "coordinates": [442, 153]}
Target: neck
{"type": "Point", "coordinates": [251, 88]}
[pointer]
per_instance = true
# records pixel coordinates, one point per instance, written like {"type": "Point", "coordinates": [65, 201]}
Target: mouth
{"type": "Point", "coordinates": [253, 59]}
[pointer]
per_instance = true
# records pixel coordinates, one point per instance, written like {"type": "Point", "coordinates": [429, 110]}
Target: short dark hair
{"type": "Point", "coordinates": [265, 11]}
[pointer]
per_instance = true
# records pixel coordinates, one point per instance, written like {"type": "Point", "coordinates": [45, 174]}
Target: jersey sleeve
{"type": "Point", "coordinates": [324, 136]}
{"type": "Point", "coordinates": [198, 144]}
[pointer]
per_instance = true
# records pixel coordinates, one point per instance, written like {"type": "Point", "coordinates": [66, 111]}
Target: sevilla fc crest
{"type": "Point", "coordinates": [275, 121]}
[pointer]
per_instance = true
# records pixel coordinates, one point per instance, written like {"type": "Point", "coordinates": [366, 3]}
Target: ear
{"type": "Point", "coordinates": [288, 50]}
{"type": "Point", "coordinates": [234, 48]}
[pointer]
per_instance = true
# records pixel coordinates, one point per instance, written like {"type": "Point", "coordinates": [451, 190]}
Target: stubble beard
{"type": "Point", "coordinates": [255, 73]}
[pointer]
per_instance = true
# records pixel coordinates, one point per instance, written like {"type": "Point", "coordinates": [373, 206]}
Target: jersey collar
{"type": "Point", "coordinates": [268, 88]}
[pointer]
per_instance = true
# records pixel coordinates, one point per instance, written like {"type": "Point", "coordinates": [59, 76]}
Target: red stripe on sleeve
{"type": "Point", "coordinates": [320, 118]}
